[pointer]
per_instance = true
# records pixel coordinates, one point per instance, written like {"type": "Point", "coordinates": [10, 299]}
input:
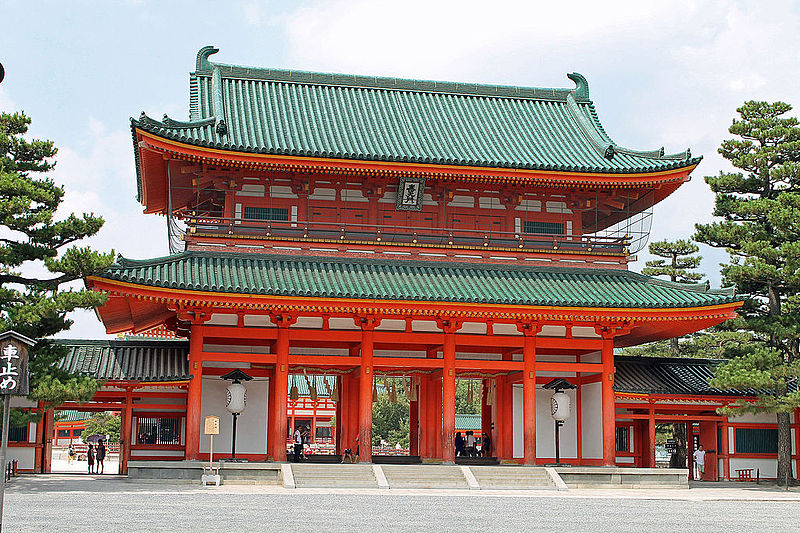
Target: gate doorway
{"type": "Point", "coordinates": [77, 431]}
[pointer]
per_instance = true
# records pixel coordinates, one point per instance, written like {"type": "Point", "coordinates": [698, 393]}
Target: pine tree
{"type": "Point", "coordinates": [678, 265]}
{"type": "Point", "coordinates": [760, 208]}
{"type": "Point", "coordinates": [32, 241]}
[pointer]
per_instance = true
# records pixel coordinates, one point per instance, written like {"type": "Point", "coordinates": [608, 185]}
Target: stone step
{"type": "Point", "coordinates": [425, 477]}
{"type": "Point", "coordinates": [334, 476]}
{"type": "Point", "coordinates": [511, 477]}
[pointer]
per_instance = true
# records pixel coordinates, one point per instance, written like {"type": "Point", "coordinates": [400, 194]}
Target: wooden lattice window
{"type": "Point", "coordinates": [756, 440]}
{"type": "Point", "coordinates": [158, 431]}
{"type": "Point", "coordinates": [266, 213]}
{"type": "Point", "coordinates": [544, 228]}
{"type": "Point", "coordinates": [623, 439]}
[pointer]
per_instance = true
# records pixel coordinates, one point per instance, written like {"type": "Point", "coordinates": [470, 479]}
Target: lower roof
{"type": "Point", "coordinates": [416, 281]}
{"type": "Point", "coordinates": [165, 361]}
{"type": "Point", "coordinates": [127, 360]}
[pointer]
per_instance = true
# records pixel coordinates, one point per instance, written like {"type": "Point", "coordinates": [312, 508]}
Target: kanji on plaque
{"type": "Point", "coordinates": [13, 367]}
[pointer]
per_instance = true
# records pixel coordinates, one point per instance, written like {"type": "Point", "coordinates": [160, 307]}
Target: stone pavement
{"type": "Point", "coordinates": [71, 502]}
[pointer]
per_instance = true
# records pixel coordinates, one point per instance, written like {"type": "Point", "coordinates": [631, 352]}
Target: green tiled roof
{"type": "Point", "coordinates": [468, 421]}
{"type": "Point", "coordinates": [71, 415]}
{"type": "Point", "coordinates": [119, 360]}
{"type": "Point", "coordinates": [303, 276]}
{"type": "Point", "coordinates": [289, 112]}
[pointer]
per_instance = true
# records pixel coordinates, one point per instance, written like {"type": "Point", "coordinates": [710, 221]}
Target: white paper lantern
{"type": "Point", "coordinates": [559, 404]}
{"type": "Point", "coordinates": [237, 398]}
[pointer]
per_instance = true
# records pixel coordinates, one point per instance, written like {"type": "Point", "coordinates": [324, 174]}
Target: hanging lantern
{"type": "Point", "coordinates": [294, 394]}
{"type": "Point", "coordinates": [236, 398]}
{"type": "Point", "coordinates": [559, 406]}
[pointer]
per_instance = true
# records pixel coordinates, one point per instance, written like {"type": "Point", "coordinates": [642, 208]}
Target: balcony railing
{"type": "Point", "coordinates": [400, 234]}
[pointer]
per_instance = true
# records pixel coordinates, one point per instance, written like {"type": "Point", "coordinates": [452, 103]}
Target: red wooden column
{"type": "Point", "coordinates": [338, 434]}
{"type": "Point", "coordinates": [651, 437]}
{"type": "Point", "coordinates": [413, 422]}
{"type": "Point", "coordinates": [529, 331]}
{"type": "Point", "coordinates": [280, 398]}
{"type": "Point", "coordinates": [424, 416]}
{"type": "Point", "coordinates": [723, 450]}
{"type": "Point", "coordinates": [366, 376]}
{"type": "Point", "coordinates": [127, 431]}
{"type": "Point", "coordinates": [195, 392]}
{"type": "Point", "coordinates": [486, 412]}
{"type": "Point", "coordinates": [608, 405]}
{"type": "Point", "coordinates": [449, 327]}
{"type": "Point", "coordinates": [608, 408]}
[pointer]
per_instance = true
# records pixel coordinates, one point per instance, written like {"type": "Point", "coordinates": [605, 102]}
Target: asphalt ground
{"type": "Point", "coordinates": [110, 503]}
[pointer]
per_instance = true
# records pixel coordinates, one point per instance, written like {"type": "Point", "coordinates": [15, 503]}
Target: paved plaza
{"type": "Point", "coordinates": [112, 503]}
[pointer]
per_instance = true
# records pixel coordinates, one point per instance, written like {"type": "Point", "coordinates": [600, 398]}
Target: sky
{"type": "Point", "coordinates": [660, 74]}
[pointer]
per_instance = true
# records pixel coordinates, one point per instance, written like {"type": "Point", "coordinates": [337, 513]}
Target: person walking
{"type": "Point", "coordinates": [459, 442]}
{"type": "Point", "coordinates": [101, 456]}
{"type": "Point", "coordinates": [70, 455]}
{"type": "Point", "coordinates": [90, 458]}
{"type": "Point", "coordinates": [700, 461]}
{"type": "Point", "coordinates": [298, 444]}
{"type": "Point", "coordinates": [486, 445]}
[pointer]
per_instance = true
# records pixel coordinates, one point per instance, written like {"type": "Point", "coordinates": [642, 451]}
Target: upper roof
{"type": "Point", "coordinates": [376, 279]}
{"type": "Point", "coordinates": [127, 360]}
{"type": "Point", "coordinates": [310, 114]}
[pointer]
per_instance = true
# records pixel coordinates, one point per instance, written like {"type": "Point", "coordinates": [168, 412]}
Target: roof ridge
{"type": "Point", "coordinates": [205, 67]}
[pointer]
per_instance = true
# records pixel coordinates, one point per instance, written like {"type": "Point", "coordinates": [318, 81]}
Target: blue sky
{"type": "Point", "coordinates": [660, 73]}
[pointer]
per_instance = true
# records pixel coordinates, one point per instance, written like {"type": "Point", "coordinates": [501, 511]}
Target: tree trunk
{"type": "Point", "coordinates": [784, 449]}
{"type": "Point", "coordinates": [678, 458]}
{"type": "Point", "coordinates": [673, 347]}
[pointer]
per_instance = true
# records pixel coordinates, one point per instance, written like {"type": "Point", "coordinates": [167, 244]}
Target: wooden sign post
{"type": "Point", "coordinates": [211, 429]}
{"type": "Point", "coordinates": [13, 382]}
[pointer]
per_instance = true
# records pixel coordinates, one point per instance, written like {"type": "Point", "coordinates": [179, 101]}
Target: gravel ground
{"type": "Point", "coordinates": [72, 503]}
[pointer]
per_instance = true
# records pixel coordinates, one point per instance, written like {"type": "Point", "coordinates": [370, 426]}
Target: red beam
{"type": "Point", "coordinates": [567, 367]}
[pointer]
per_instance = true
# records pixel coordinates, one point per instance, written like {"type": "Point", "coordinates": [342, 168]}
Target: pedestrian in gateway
{"type": "Point", "coordinates": [90, 458]}
{"type": "Point", "coordinates": [70, 455]}
{"type": "Point", "coordinates": [101, 456]}
{"type": "Point", "coordinates": [298, 444]}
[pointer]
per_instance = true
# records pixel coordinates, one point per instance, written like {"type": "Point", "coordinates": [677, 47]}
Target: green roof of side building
{"type": "Point", "coordinates": [127, 360]}
{"type": "Point", "coordinates": [310, 114]}
{"type": "Point", "coordinates": [299, 276]}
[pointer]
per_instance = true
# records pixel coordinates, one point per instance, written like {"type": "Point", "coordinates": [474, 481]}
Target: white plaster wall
{"type": "Point", "coordinates": [767, 467]}
{"type": "Point", "coordinates": [754, 418]}
{"type": "Point", "coordinates": [25, 456]}
{"type": "Point", "coordinates": [177, 454]}
{"type": "Point", "coordinates": [251, 433]}
{"type": "Point", "coordinates": [545, 427]}
{"type": "Point", "coordinates": [592, 420]}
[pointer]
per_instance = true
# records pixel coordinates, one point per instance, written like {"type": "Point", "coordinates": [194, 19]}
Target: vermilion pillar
{"type": "Point", "coordinates": [281, 385]}
{"type": "Point", "coordinates": [366, 376]}
{"type": "Point", "coordinates": [651, 438]}
{"type": "Point", "coordinates": [127, 432]}
{"type": "Point", "coordinates": [195, 393]}
{"type": "Point", "coordinates": [529, 393]}
{"type": "Point", "coordinates": [449, 394]}
{"type": "Point", "coordinates": [486, 412]}
{"type": "Point", "coordinates": [413, 423]}
{"type": "Point", "coordinates": [723, 450]}
{"type": "Point", "coordinates": [424, 416]}
{"type": "Point", "coordinates": [608, 409]}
